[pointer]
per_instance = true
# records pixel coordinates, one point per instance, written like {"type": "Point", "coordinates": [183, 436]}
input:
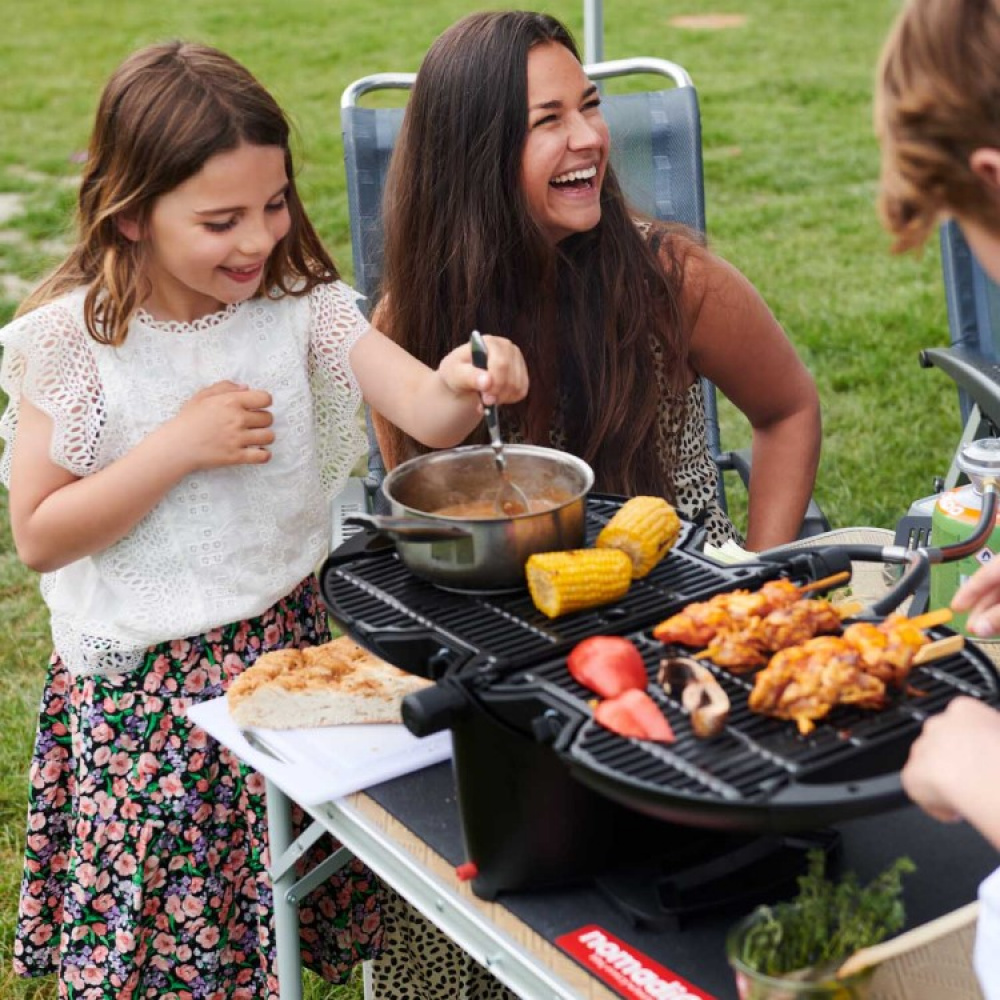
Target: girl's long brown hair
{"type": "Point", "coordinates": [165, 111]}
{"type": "Point", "coordinates": [937, 100]}
{"type": "Point", "coordinates": [462, 252]}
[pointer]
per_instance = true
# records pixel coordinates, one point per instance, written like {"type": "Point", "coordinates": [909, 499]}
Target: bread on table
{"type": "Point", "coordinates": [338, 683]}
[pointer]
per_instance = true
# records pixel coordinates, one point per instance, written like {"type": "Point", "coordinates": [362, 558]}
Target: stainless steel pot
{"type": "Point", "coordinates": [482, 553]}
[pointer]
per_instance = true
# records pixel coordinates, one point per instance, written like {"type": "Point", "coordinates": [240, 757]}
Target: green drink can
{"type": "Point", "coordinates": [954, 519]}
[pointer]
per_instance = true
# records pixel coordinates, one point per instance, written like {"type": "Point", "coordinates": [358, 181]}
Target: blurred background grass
{"type": "Point", "coordinates": [790, 172]}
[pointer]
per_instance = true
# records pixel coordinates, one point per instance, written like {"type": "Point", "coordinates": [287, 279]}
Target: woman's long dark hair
{"type": "Point", "coordinates": [165, 111]}
{"type": "Point", "coordinates": [462, 252]}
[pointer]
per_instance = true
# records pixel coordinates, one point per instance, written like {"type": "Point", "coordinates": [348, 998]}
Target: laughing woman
{"type": "Point", "coordinates": [502, 213]}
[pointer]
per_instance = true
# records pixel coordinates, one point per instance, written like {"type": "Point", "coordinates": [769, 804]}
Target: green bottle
{"type": "Point", "coordinates": [954, 518]}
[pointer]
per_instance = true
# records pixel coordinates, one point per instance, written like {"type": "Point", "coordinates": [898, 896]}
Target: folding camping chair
{"type": "Point", "coordinates": [972, 361]}
{"type": "Point", "coordinates": [656, 152]}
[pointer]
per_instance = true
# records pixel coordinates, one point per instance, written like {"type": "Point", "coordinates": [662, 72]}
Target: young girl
{"type": "Point", "coordinates": [184, 392]}
{"type": "Point", "coordinates": [617, 317]}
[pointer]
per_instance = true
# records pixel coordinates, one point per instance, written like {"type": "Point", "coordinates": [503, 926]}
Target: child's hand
{"type": "Point", "coordinates": [225, 424]}
{"type": "Point", "coordinates": [980, 596]}
{"type": "Point", "coordinates": [505, 381]}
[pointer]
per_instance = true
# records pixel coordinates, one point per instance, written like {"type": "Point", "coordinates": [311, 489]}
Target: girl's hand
{"type": "Point", "coordinates": [505, 380]}
{"type": "Point", "coordinates": [980, 596]}
{"type": "Point", "coordinates": [225, 424]}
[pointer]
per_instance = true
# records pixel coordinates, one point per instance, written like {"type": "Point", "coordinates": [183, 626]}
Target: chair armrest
{"type": "Point", "coordinates": [972, 372]}
{"type": "Point", "coordinates": [815, 522]}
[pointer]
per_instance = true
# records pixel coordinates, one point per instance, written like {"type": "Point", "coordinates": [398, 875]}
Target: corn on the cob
{"type": "Point", "coordinates": [645, 528]}
{"type": "Point", "coordinates": [560, 582]}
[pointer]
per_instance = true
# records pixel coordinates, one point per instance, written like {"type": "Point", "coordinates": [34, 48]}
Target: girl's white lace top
{"type": "Point", "coordinates": [224, 544]}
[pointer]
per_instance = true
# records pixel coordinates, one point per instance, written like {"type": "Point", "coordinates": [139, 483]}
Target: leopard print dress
{"type": "Point", "coordinates": [683, 432]}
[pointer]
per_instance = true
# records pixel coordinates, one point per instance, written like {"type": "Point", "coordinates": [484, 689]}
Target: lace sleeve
{"type": "Point", "coordinates": [46, 359]}
{"type": "Point", "coordinates": [337, 324]}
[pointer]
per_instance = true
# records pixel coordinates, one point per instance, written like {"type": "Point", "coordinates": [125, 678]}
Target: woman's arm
{"type": "Point", "coordinates": [57, 518]}
{"type": "Point", "coordinates": [438, 407]}
{"type": "Point", "coordinates": [737, 343]}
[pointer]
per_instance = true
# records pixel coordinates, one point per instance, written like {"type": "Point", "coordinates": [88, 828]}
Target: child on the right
{"type": "Point", "coordinates": [937, 117]}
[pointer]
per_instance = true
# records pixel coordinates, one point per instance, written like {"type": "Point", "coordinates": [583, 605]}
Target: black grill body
{"type": "Point", "coordinates": [547, 795]}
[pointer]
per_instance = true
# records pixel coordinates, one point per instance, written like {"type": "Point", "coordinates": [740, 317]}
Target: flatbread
{"type": "Point", "coordinates": [335, 684]}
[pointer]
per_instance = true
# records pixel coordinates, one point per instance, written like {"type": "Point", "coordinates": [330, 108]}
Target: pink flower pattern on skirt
{"type": "Point", "coordinates": [146, 861]}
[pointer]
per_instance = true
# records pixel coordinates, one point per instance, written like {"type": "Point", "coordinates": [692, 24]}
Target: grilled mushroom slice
{"type": "Point", "coordinates": [700, 693]}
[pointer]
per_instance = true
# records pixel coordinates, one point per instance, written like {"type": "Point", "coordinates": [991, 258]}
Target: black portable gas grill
{"type": "Point", "coordinates": [546, 794]}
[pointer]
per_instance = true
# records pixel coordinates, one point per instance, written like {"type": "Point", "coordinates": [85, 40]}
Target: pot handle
{"type": "Point", "coordinates": [409, 529]}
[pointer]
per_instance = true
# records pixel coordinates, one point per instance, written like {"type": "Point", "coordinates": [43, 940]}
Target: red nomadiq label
{"type": "Point", "coordinates": [627, 971]}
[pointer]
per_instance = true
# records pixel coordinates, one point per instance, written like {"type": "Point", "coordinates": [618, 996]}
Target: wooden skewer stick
{"type": "Point", "coordinates": [847, 608]}
{"type": "Point", "coordinates": [827, 581]}
{"type": "Point", "coordinates": [910, 941]}
{"type": "Point", "coordinates": [939, 649]}
{"type": "Point", "coordinates": [931, 618]}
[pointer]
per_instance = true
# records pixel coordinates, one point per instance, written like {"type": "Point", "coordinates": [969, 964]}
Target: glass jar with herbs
{"type": "Point", "coordinates": [793, 950]}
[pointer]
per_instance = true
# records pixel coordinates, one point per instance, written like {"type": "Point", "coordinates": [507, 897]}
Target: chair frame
{"type": "Point", "coordinates": [972, 360]}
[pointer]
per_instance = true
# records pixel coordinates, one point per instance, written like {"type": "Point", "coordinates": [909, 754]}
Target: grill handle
{"type": "Point", "coordinates": [812, 563]}
{"type": "Point", "coordinates": [435, 708]}
{"type": "Point", "coordinates": [885, 788]}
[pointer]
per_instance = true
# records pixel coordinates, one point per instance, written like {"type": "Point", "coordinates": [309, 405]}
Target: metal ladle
{"type": "Point", "coordinates": [510, 499]}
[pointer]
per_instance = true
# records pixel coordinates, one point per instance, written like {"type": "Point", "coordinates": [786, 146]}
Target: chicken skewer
{"type": "Point", "coordinates": [698, 623]}
{"type": "Point", "coordinates": [805, 682]}
{"type": "Point", "coordinates": [746, 649]}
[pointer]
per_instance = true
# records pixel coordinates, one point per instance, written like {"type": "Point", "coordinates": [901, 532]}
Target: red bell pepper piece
{"type": "Point", "coordinates": [634, 713]}
{"type": "Point", "coordinates": [607, 665]}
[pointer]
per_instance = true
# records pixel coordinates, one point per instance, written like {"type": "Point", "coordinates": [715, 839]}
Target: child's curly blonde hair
{"type": "Point", "coordinates": [937, 100]}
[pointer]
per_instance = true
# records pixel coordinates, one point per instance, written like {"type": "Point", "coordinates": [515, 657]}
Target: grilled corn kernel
{"type": "Point", "coordinates": [644, 528]}
{"type": "Point", "coordinates": [560, 582]}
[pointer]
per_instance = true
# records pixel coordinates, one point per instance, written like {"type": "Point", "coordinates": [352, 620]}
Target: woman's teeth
{"type": "Point", "coordinates": [575, 175]}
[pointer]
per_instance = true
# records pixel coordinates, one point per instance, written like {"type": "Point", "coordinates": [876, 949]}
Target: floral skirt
{"type": "Point", "coordinates": [146, 868]}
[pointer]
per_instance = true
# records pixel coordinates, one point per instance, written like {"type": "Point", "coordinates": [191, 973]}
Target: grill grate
{"type": "Point", "coordinates": [755, 755]}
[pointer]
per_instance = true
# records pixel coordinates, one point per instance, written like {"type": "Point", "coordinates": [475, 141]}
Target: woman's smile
{"type": "Point", "coordinates": [566, 148]}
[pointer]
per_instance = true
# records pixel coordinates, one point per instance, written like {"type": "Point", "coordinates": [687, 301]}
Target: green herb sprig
{"type": "Point", "coordinates": [826, 922]}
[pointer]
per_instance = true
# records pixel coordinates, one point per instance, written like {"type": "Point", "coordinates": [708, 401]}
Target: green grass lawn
{"type": "Point", "coordinates": [790, 168]}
